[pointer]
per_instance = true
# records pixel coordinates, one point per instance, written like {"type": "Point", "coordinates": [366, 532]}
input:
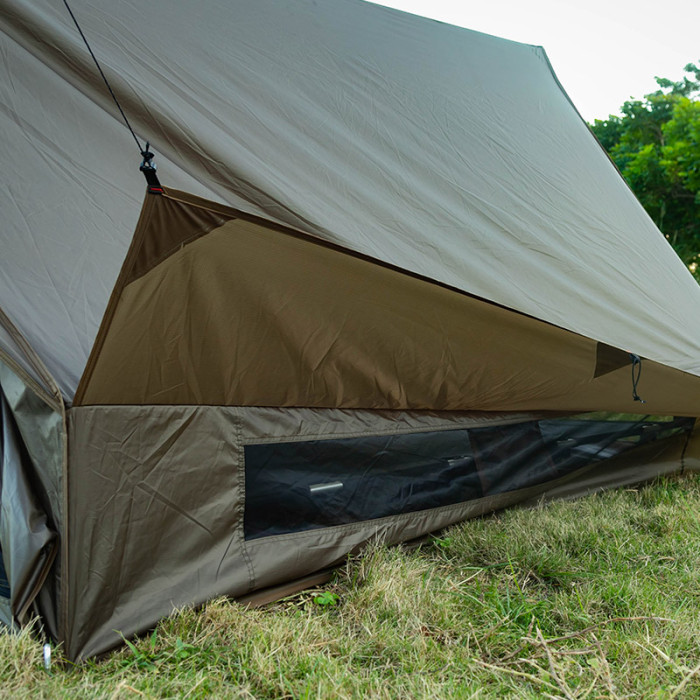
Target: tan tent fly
{"type": "Point", "coordinates": [391, 282]}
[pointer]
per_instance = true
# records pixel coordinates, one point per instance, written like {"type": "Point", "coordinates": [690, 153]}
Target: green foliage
{"type": "Point", "coordinates": [681, 153]}
{"type": "Point", "coordinates": [326, 599]}
{"type": "Point", "coordinates": [656, 145]}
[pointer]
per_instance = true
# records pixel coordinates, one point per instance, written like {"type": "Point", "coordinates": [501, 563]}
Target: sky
{"type": "Point", "coordinates": [603, 51]}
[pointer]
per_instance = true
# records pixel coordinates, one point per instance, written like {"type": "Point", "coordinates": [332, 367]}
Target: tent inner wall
{"type": "Point", "coordinates": [175, 505]}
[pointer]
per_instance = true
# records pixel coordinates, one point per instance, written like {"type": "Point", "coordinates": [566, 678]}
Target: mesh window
{"type": "Point", "coordinates": [296, 486]}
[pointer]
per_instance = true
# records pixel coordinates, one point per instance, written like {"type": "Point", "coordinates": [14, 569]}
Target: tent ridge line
{"type": "Point", "coordinates": [590, 131]}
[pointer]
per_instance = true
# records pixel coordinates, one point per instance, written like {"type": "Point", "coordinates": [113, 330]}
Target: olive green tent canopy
{"type": "Point", "coordinates": [392, 281]}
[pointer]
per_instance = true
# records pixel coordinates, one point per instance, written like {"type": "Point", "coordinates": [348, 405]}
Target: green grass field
{"type": "Point", "coordinates": [596, 598]}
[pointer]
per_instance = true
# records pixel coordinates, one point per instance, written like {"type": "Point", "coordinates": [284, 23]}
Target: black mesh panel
{"type": "Point", "coordinates": [296, 486]}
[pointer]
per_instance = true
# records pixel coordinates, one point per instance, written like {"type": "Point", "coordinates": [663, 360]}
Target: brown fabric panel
{"type": "Point", "coordinates": [665, 391]}
{"type": "Point", "coordinates": [166, 223]}
{"type": "Point", "coordinates": [608, 359]}
{"type": "Point", "coordinates": [249, 315]}
{"type": "Point", "coordinates": [155, 521]}
{"type": "Point", "coordinates": [172, 225]}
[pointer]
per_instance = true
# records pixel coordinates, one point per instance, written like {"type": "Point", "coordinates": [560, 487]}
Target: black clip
{"type": "Point", "coordinates": [149, 171]}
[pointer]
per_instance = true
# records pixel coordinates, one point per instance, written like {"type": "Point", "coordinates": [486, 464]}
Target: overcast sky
{"type": "Point", "coordinates": [603, 51]}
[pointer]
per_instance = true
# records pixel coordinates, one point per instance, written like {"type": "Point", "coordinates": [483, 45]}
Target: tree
{"type": "Point", "coordinates": [655, 143]}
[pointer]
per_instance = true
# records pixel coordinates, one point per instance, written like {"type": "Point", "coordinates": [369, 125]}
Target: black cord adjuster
{"type": "Point", "coordinates": [149, 171]}
{"type": "Point", "coordinates": [636, 374]}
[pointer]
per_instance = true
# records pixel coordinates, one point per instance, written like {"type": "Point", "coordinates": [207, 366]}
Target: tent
{"type": "Point", "coordinates": [391, 282]}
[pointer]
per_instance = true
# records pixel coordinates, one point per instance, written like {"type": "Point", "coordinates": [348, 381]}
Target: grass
{"type": "Point", "coordinates": [595, 598]}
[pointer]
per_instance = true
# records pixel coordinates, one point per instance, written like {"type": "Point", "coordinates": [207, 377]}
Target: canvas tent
{"type": "Point", "coordinates": [390, 276]}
